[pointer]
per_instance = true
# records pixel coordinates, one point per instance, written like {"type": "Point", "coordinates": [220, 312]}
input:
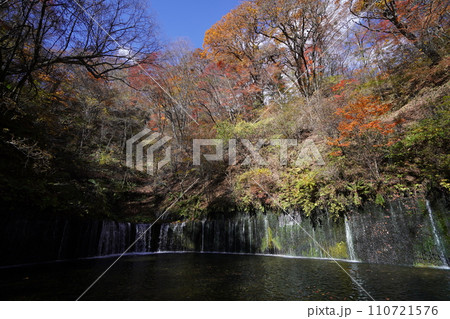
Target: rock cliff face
{"type": "Point", "coordinates": [396, 234]}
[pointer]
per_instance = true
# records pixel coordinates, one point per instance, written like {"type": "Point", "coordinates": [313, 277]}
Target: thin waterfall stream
{"type": "Point", "coordinates": [349, 237]}
{"type": "Point", "coordinates": [437, 239]}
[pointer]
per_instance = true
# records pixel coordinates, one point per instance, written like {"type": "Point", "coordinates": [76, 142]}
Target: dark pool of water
{"type": "Point", "coordinates": [221, 277]}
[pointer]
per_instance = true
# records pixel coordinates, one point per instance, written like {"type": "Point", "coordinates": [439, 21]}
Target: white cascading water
{"type": "Point", "coordinates": [349, 237]}
{"type": "Point", "coordinates": [439, 245]}
{"type": "Point", "coordinates": [163, 236]}
{"type": "Point", "coordinates": [143, 244]}
{"type": "Point", "coordinates": [266, 227]}
{"type": "Point", "coordinates": [104, 245]}
{"type": "Point", "coordinates": [250, 233]}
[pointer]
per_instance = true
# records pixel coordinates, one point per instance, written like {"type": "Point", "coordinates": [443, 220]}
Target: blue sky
{"type": "Point", "coordinates": [189, 18]}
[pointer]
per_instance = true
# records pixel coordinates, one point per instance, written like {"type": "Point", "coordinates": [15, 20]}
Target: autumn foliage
{"type": "Point", "coordinates": [71, 97]}
{"type": "Point", "coordinates": [360, 118]}
{"type": "Point", "coordinates": [362, 133]}
{"type": "Point", "coordinates": [423, 23]}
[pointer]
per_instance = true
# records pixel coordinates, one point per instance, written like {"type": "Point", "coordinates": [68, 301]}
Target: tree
{"type": "Point", "coordinates": [100, 35]}
{"type": "Point", "coordinates": [234, 37]}
{"type": "Point", "coordinates": [362, 133]}
{"type": "Point", "coordinates": [418, 21]}
{"type": "Point", "coordinates": [234, 40]}
{"type": "Point", "coordinates": [299, 30]}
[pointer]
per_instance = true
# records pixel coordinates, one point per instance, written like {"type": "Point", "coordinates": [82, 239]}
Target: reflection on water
{"type": "Point", "coordinates": [221, 277]}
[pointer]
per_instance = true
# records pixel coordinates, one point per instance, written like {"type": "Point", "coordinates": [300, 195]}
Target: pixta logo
{"type": "Point", "coordinates": [308, 154]}
{"type": "Point", "coordinates": [143, 146]}
{"type": "Point", "coordinates": [142, 141]}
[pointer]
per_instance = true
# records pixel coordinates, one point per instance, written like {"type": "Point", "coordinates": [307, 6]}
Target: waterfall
{"type": "Point", "coordinates": [266, 228]}
{"type": "Point", "coordinates": [250, 235]}
{"type": "Point", "coordinates": [181, 238]}
{"type": "Point", "coordinates": [203, 235]}
{"type": "Point", "coordinates": [376, 235]}
{"type": "Point", "coordinates": [312, 244]}
{"type": "Point", "coordinates": [143, 244]}
{"type": "Point", "coordinates": [106, 240]}
{"type": "Point", "coordinates": [348, 235]}
{"type": "Point", "coordinates": [439, 245]}
{"type": "Point", "coordinates": [243, 241]}
{"type": "Point", "coordinates": [163, 237]}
